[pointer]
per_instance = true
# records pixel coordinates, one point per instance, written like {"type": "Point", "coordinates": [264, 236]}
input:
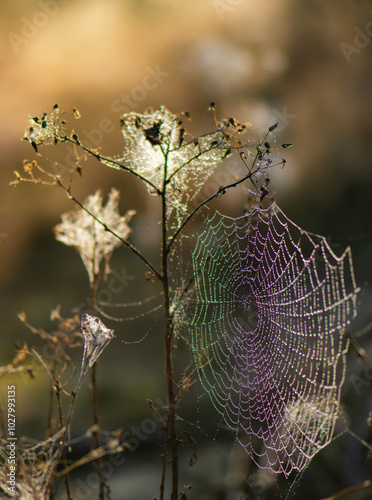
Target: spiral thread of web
{"type": "Point", "coordinates": [272, 303]}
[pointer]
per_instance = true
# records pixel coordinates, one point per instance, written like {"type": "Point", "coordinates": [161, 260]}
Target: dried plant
{"type": "Point", "coordinates": [231, 257]}
{"type": "Point", "coordinates": [80, 228]}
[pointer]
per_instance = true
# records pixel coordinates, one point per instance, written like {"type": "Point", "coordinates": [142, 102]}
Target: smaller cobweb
{"type": "Point", "coordinates": [268, 333]}
{"type": "Point", "coordinates": [156, 149]}
{"type": "Point", "coordinates": [169, 160]}
{"type": "Point", "coordinates": [37, 464]}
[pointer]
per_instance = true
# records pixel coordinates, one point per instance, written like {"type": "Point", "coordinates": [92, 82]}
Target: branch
{"type": "Point", "coordinates": [222, 190]}
{"type": "Point", "coordinates": [216, 146]}
{"type": "Point", "coordinates": [359, 349]}
{"type": "Point", "coordinates": [98, 453]}
{"type": "Point", "coordinates": [114, 162]}
{"type": "Point", "coordinates": [350, 489]}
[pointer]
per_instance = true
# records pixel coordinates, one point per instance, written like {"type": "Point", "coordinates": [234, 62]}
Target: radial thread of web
{"type": "Point", "coordinates": [272, 303]}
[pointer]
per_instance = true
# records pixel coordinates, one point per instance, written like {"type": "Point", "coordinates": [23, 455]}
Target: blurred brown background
{"type": "Point", "coordinates": [306, 64]}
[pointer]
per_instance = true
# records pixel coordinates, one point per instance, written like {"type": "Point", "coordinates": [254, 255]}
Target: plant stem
{"type": "Point", "coordinates": [64, 450]}
{"type": "Point", "coordinates": [51, 402]}
{"type": "Point", "coordinates": [171, 433]}
{"type": "Point", "coordinates": [96, 431]}
{"type": "Point", "coordinates": [164, 465]}
{"type": "Point", "coordinates": [171, 421]}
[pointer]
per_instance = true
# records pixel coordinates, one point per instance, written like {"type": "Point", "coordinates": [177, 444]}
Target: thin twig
{"type": "Point", "coordinates": [95, 406]}
{"type": "Point", "coordinates": [171, 430]}
{"type": "Point", "coordinates": [359, 349]}
{"type": "Point", "coordinates": [93, 455]}
{"type": "Point", "coordinates": [101, 158]}
{"type": "Point", "coordinates": [350, 489]}
{"type": "Point", "coordinates": [201, 153]}
{"type": "Point", "coordinates": [221, 191]}
{"type": "Point", "coordinates": [56, 385]}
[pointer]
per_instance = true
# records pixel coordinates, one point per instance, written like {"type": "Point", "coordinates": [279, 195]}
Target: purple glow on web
{"type": "Point", "coordinates": [272, 303]}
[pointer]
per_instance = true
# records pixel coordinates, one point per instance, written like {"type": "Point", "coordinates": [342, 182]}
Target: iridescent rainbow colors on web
{"type": "Point", "coordinates": [272, 304]}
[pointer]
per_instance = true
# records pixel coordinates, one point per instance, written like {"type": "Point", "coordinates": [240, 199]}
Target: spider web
{"type": "Point", "coordinates": [267, 335]}
{"type": "Point", "coordinates": [155, 149]}
{"type": "Point", "coordinates": [36, 467]}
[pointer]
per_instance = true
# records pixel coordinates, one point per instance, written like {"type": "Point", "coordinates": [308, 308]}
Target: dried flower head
{"type": "Point", "coordinates": [82, 230]}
